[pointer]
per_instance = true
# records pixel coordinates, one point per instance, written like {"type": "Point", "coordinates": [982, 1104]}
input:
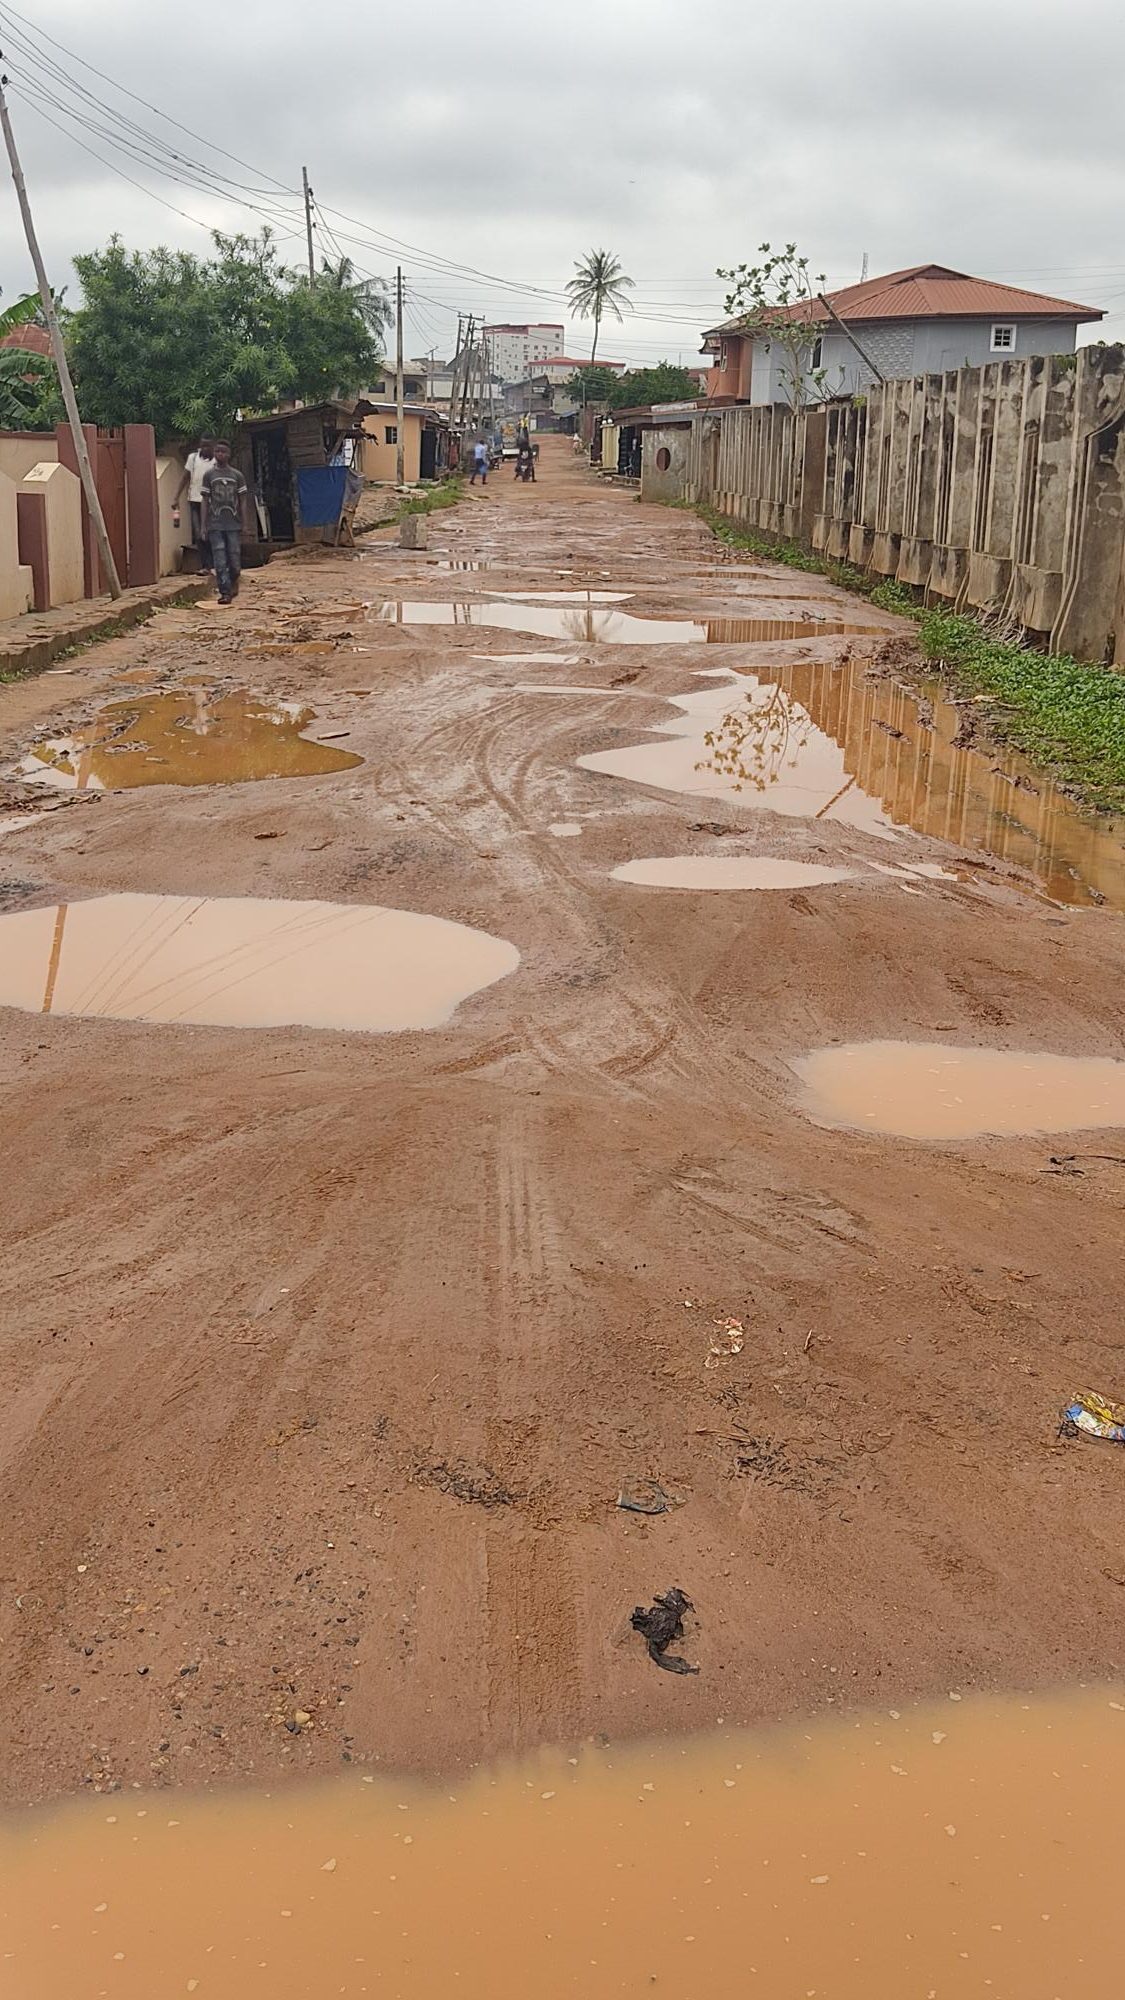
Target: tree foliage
{"type": "Point", "coordinates": [185, 343]}
{"type": "Point", "coordinates": [773, 299]}
{"type": "Point", "coordinates": [598, 287]}
{"type": "Point", "coordinates": [369, 295]}
{"type": "Point", "coordinates": [666, 383]}
{"type": "Point", "coordinates": [29, 388]}
{"type": "Point", "coordinates": [590, 384]}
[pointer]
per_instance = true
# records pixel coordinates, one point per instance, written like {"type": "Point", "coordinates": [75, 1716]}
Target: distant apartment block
{"type": "Point", "coordinates": [515, 350]}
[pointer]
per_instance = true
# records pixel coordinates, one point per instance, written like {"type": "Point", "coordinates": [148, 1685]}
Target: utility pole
{"type": "Point", "coordinates": [400, 418]}
{"type": "Point", "coordinates": [468, 366]}
{"type": "Point", "coordinates": [85, 469]}
{"type": "Point", "coordinates": [453, 370]}
{"type": "Point", "coordinates": [309, 223]}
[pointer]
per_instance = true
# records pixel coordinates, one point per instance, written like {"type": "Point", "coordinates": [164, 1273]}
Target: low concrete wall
{"type": "Point", "coordinates": [173, 540]}
{"type": "Point", "coordinates": [665, 462]}
{"type": "Point", "coordinates": [62, 498]}
{"type": "Point", "coordinates": [16, 587]}
{"type": "Point", "coordinates": [20, 450]}
{"type": "Point", "coordinates": [999, 489]}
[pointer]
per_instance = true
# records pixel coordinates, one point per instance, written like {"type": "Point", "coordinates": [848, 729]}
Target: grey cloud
{"type": "Point", "coordinates": [680, 138]}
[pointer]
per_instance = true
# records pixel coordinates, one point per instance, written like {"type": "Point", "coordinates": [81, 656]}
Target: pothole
{"type": "Point", "coordinates": [606, 627]}
{"type": "Point", "coordinates": [925, 1090]}
{"type": "Point", "coordinates": [245, 962]}
{"type": "Point", "coordinates": [728, 871]}
{"type": "Point", "coordinates": [185, 736]}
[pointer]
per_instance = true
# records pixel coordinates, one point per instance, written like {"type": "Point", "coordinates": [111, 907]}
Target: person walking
{"type": "Point", "coordinates": [196, 464]}
{"type": "Point", "coordinates": [480, 463]}
{"type": "Point", "coordinates": [225, 510]}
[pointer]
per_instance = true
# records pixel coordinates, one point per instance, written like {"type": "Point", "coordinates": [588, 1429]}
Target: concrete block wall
{"type": "Point", "coordinates": [61, 494]}
{"type": "Point", "coordinates": [1000, 488]}
{"type": "Point", "coordinates": [16, 585]}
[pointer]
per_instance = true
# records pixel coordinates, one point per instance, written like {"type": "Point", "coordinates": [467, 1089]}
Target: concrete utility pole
{"type": "Point", "coordinates": [400, 418]}
{"type": "Point", "coordinates": [308, 223]}
{"type": "Point", "coordinates": [85, 469]}
{"type": "Point", "coordinates": [468, 366]}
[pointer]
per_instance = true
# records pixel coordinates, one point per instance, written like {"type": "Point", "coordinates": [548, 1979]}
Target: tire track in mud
{"type": "Point", "coordinates": [531, 1613]}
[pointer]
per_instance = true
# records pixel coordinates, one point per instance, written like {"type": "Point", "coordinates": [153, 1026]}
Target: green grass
{"type": "Point", "coordinates": [445, 495]}
{"type": "Point", "coordinates": [1068, 715]}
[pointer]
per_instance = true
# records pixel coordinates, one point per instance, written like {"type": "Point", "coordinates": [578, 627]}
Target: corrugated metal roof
{"type": "Point", "coordinates": [33, 339]}
{"type": "Point", "coordinates": [931, 291]}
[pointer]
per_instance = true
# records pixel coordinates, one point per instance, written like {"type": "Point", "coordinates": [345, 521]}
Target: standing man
{"type": "Point", "coordinates": [225, 513]}
{"type": "Point", "coordinates": [196, 464]}
{"type": "Point", "coordinates": [480, 463]}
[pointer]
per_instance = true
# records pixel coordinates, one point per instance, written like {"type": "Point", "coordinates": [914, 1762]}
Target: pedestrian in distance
{"type": "Point", "coordinates": [196, 464]}
{"type": "Point", "coordinates": [225, 512]}
{"type": "Point", "coordinates": [480, 463]}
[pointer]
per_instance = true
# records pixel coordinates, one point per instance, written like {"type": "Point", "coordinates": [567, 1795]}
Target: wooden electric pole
{"type": "Point", "coordinates": [85, 469]}
{"type": "Point", "coordinates": [400, 459]}
{"type": "Point", "coordinates": [309, 223]}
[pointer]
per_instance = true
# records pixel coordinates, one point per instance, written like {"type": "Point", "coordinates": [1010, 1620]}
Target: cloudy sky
{"type": "Point", "coordinates": [499, 142]}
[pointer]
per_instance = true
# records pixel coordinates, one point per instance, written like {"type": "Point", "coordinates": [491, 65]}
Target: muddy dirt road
{"type": "Point", "coordinates": [328, 1354]}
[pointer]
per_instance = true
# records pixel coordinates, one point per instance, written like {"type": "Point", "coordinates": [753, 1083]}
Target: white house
{"type": "Point", "coordinates": [916, 322]}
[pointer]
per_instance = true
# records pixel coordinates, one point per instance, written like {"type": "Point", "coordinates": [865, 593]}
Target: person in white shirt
{"type": "Point", "coordinates": [196, 464]}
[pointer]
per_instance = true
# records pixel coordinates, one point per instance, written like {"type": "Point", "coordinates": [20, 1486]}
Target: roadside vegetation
{"type": "Point", "coordinates": [1068, 715]}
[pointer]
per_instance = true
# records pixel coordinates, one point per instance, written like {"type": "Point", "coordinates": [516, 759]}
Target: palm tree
{"type": "Point", "coordinates": [368, 295]}
{"type": "Point", "coordinates": [598, 286]}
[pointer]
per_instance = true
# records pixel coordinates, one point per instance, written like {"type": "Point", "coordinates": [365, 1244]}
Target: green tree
{"type": "Point", "coordinates": [369, 295]}
{"type": "Point", "coordinates": [776, 299]}
{"type": "Point", "coordinates": [598, 287]}
{"type": "Point", "coordinates": [185, 343]}
{"type": "Point", "coordinates": [666, 383]}
{"type": "Point", "coordinates": [590, 385]}
{"type": "Point", "coordinates": [29, 389]}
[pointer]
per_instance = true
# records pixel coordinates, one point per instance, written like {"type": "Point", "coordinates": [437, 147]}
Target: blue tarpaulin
{"type": "Point", "coordinates": [320, 494]}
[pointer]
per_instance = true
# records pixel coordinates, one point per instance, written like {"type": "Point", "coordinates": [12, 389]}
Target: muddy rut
{"type": "Point", "coordinates": [327, 1355]}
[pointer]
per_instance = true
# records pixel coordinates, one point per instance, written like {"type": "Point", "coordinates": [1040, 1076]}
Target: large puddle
{"type": "Point", "coordinates": [240, 962]}
{"type": "Point", "coordinates": [831, 743]}
{"type": "Point", "coordinates": [728, 871]}
{"type": "Point", "coordinates": [611, 628]}
{"type": "Point", "coordinates": [185, 736]}
{"type": "Point", "coordinates": [968, 1849]}
{"type": "Point", "coordinates": [924, 1090]}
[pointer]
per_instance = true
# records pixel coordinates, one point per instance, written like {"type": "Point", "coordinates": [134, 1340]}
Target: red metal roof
{"type": "Point", "coordinates": [933, 291]}
{"type": "Point", "coordinates": [33, 339]}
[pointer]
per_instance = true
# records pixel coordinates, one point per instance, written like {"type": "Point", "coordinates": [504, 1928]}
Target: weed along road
{"type": "Point", "coordinates": [539, 1071]}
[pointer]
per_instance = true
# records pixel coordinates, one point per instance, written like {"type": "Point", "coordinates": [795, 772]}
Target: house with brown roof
{"type": "Point", "coordinates": [921, 321]}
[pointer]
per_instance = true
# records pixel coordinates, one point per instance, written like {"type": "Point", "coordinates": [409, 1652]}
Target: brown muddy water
{"type": "Point", "coordinates": [608, 627]}
{"type": "Point", "coordinates": [241, 962]}
{"type": "Point", "coordinates": [925, 1090]}
{"type": "Point", "coordinates": [833, 743]}
{"type": "Point", "coordinates": [728, 871]}
{"type": "Point", "coordinates": [967, 1849]}
{"type": "Point", "coordinates": [185, 736]}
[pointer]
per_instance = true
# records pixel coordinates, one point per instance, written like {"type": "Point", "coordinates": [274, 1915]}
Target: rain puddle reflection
{"type": "Point", "coordinates": [186, 736]}
{"type": "Point", "coordinates": [609, 627]}
{"type": "Point", "coordinates": [969, 1847]}
{"type": "Point", "coordinates": [728, 871]}
{"type": "Point", "coordinates": [833, 743]}
{"type": "Point", "coordinates": [925, 1090]}
{"type": "Point", "coordinates": [242, 962]}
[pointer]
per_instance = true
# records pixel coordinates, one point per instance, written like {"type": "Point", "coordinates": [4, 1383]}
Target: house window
{"type": "Point", "coordinates": [392, 433]}
{"type": "Point", "coordinates": [1003, 337]}
{"type": "Point", "coordinates": [817, 352]}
